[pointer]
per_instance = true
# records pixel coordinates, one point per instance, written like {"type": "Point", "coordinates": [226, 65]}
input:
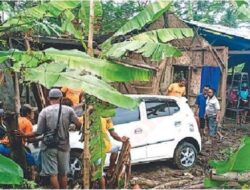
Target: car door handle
{"type": "Point", "coordinates": [138, 131]}
{"type": "Point", "coordinates": [177, 123]}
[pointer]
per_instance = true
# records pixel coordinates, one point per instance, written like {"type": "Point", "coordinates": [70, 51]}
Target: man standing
{"type": "Point", "coordinates": [177, 89]}
{"type": "Point", "coordinates": [200, 104]}
{"type": "Point", "coordinates": [212, 114]}
{"type": "Point", "coordinates": [55, 161]}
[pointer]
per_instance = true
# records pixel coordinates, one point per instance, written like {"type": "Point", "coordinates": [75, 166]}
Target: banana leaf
{"type": "Point", "coordinates": [29, 16]}
{"type": "Point", "coordinates": [164, 35]}
{"type": "Point", "coordinates": [152, 44]}
{"type": "Point", "coordinates": [154, 50]}
{"type": "Point", "coordinates": [75, 59]}
{"type": "Point", "coordinates": [53, 75]}
{"type": "Point", "coordinates": [238, 162]}
{"type": "Point", "coordinates": [151, 13]}
{"type": "Point", "coordinates": [10, 172]}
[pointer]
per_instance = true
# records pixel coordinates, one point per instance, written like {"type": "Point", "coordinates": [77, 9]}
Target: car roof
{"type": "Point", "coordinates": [150, 96]}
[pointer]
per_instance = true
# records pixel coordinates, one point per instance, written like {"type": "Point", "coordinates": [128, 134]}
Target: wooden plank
{"type": "Point", "coordinates": [224, 84]}
{"type": "Point", "coordinates": [158, 77]}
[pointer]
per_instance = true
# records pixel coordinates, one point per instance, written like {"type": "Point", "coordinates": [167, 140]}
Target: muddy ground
{"type": "Point", "coordinates": [164, 173]}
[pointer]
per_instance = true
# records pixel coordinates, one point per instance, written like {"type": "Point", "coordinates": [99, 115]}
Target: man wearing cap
{"type": "Point", "coordinates": [55, 161]}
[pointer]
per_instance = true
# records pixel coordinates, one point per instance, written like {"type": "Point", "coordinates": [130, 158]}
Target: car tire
{"type": "Point", "coordinates": [75, 167]}
{"type": "Point", "coordinates": [185, 155]}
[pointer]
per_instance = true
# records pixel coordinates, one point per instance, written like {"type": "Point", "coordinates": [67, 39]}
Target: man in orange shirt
{"type": "Point", "coordinates": [25, 119]}
{"type": "Point", "coordinates": [25, 125]}
{"type": "Point", "coordinates": [177, 89]}
{"type": "Point", "coordinates": [75, 95]}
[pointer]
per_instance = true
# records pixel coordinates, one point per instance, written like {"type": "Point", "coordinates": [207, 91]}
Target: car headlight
{"type": "Point", "coordinates": [191, 127]}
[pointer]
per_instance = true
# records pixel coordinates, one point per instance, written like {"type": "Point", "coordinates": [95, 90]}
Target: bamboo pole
{"type": "Point", "coordinates": [91, 27]}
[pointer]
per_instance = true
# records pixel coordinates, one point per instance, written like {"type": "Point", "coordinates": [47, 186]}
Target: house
{"type": "Point", "coordinates": [197, 55]}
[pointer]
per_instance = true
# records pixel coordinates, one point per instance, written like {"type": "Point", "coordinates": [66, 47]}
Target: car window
{"type": "Point", "coordinates": [159, 108]}
{"type": "Point", "coordinates": [156, 108]}
{"type": "Point", "coordinates": [173, 107]}
{"type": "Point", "coordinates": [125, 116]}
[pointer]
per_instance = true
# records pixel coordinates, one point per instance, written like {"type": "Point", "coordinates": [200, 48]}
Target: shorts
{"type": "Point", "coordinates": [202, 123]}
{"type": "Point", "coordinates": [212, 126]}
{"type": "Point", "coordinates": [54, 162]}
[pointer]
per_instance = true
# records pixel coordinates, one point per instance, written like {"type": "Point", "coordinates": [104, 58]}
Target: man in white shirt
{"type": "Point", "coordinates": [212, 114]}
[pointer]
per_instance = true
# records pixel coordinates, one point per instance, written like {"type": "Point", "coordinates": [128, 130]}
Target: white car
{"type": "Point", "coordinates": [161, 127]}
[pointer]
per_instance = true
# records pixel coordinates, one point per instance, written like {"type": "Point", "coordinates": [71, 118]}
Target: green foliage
{"type": "Point", "coordinates": [27, 17]}
{"type": "Point", "coordinates": [164, 35]}
{"type": "Point", "coordinates": [152, 44]}
{"type": "Point", "coordinates": [151, 13]}
{"type": "Point", "coordinates": [26, 184]}
{"type": "Point", "coordinates": [228, 13]}
{"type": "Point", "coordinates": [10, 172]}
{"type": "Point", "coordinates": [116, 15]}
{"type": "Point", "coordinates": [80, 66]}
{"type": "Point", "coordinates": [83, 14]}
{"type": "Point", "coordinates": [239, 161]}
{"type": "Point", "coordinates": [50, 75]}
{"type": "Point", "coordinates": [243, 10]}
{"type": "Point", "coordinates": [209, 183]}
{"type": "Point", "coordinates": [75, 59]}
{"type": "Point", "coordinates": [98, 136]}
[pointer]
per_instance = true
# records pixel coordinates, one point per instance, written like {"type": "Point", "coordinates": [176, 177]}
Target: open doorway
{"type": "Point", "coordinates": [180, 72]}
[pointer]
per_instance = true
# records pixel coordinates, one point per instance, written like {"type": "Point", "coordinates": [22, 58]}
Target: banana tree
{"type": "Point", "coordinates": [75, 69]}
{"type": "Point", "coordinates": [153, 44]}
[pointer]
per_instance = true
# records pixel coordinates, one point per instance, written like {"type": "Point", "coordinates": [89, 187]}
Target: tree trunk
{"type": "Point", "coordinates": [86, 153]}
{"type": "Point", "coordinates": [232, 176]}
{"type": "Point", "coordinates": [91, 27]}
{"type": "Point", "coordinates": [17, 151]}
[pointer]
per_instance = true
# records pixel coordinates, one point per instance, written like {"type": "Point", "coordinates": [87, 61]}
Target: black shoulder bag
{"type": "Point", "coordinates": [51, 138]}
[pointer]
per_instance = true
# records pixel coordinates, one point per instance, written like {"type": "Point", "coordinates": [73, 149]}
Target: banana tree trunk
{"type": "Point", "coordinates": [86, 153]}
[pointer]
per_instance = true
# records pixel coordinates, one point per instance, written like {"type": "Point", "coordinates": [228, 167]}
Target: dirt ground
{"type": "Point", "coordinates": [163, 174]}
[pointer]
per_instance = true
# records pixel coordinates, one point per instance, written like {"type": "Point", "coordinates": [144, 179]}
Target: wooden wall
{"type": "Point", "coordinates": [196, 52]}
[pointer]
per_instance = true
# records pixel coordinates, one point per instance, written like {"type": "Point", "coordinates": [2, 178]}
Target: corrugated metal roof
{"type": "Point", "coordinates": [239, 32]}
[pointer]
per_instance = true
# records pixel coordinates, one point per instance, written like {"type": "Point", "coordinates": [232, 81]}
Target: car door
{"type": "Point", "coordinates": [161, 121]}
{"type": "Point", "coordinates": [128, 123]}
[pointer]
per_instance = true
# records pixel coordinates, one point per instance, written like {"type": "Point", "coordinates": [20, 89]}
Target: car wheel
{"type": "Point", "coordinates": [75, 167]}
{"type": "Point", "coordinates": [185, 155]}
